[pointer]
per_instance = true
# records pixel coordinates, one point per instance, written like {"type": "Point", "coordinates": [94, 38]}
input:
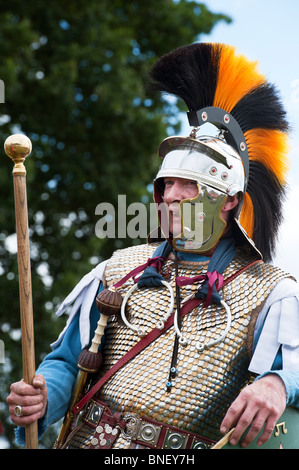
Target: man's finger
{"type": "Point", "coordinates": [232, 416]}
{"type": "Point", "coordinates": [243, 423]}
{"type": "Point", "coordinates": [22, 388]}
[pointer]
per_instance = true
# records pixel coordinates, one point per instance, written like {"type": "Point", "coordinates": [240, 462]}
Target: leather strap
{"type": "Point", "coordinates": [145, 341]}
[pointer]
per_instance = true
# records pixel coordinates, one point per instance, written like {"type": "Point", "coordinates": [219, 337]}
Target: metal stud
{"type": "Point", "coordinates": [174, 440]}
{"type": "Point", "coordinates": [204, 116]}
{"type": "Point", "coordinates": [201, 216]}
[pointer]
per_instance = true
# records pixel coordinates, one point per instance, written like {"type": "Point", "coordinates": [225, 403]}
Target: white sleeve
{"type": "Point", "coordinates": [277, 326]}
{"type": "Point", "coordinates": [82, 298]}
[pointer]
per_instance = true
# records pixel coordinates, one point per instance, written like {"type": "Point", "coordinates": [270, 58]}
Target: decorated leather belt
{"type": "Point", "coordinates": [139, 430]}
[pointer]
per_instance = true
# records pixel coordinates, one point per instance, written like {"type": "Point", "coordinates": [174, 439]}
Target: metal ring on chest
{"type": "Point", "coordinates": [160, 324]}
{"type": "Point", "coordinates": [199, 345]}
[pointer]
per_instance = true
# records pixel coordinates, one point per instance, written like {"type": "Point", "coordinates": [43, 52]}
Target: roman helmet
{"type": "Point", "coordinates": [247, 156]}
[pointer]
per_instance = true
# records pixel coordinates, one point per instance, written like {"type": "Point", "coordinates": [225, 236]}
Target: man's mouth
{"type": "Point", "coordinates": [174, 210]}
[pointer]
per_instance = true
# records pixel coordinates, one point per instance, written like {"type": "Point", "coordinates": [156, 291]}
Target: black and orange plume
{"type": "Point", "coordinates": [206, 75]}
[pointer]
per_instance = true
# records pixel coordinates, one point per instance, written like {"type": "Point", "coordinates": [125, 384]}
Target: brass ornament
{"type": "Point", "coordinates": [18, 147]}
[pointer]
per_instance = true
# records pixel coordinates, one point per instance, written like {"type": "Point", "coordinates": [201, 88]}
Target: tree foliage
{"type": "Point", "coordinates": [75, 76]}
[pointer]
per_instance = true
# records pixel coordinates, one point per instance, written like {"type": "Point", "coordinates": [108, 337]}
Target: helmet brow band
{"type": "Point", "coordinates": [226, 121]}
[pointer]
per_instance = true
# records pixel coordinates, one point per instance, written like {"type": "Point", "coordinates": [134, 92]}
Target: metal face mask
{"type": "Point", "coordinates": [219, 173]}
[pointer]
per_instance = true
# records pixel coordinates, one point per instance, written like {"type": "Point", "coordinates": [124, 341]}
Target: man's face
{"type": "Point", "coordinates": [176, 190]}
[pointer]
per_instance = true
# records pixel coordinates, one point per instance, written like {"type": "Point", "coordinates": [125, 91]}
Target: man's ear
{"type": "Point", "coordinates": [230, 203]}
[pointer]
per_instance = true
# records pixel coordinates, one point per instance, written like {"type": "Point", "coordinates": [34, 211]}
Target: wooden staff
{"type": "Point", "coordinates": [18, 147]}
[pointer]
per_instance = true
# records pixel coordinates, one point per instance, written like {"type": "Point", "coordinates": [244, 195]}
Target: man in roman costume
{"type": "Point", "coordinates": [206, 332]}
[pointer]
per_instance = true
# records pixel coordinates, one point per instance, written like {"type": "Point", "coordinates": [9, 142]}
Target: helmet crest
{"type": "Point", "coordinates": [226, 89]}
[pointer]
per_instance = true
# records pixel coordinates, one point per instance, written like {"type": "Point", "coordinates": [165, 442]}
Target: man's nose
{"type": "Point", "coordinates": [175, 193]}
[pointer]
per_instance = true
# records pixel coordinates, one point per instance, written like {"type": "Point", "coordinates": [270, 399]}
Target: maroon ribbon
{"type": "Point", "coordinates": [213, 278]}
{"type": "Point", "coordinates": [156, 262]}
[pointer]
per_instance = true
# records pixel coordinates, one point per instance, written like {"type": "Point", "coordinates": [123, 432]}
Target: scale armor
{"type": "Point", "coordinates": [207, 381]}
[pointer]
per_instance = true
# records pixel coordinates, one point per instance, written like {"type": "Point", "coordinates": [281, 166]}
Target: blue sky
{"type": "Point", "coordinates": [268, 31]}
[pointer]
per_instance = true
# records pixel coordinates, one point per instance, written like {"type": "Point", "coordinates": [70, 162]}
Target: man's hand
{"type": "Point", "coordinates": [258, 404]}
{"type": "Point", "coordinates": [31, 398]}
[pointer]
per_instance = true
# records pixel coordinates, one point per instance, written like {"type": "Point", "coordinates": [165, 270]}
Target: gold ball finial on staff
{"type": "Point", "coordinates": [18, 147]}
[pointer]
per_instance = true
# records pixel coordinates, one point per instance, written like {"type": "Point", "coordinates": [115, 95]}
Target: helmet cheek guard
{"type": "Point", "coordinates": [219, 173]}
{"type": "Point", "coordinates": [202, 224]}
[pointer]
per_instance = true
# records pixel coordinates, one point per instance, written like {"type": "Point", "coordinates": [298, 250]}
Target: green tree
{"type": "Point", "coordinates": [75, 75]}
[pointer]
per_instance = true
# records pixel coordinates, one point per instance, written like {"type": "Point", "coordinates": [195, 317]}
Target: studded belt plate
{"type": "Point", "coordinates": [207, 381]}
{"type": "Point", "coordinates": [131, 429]}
